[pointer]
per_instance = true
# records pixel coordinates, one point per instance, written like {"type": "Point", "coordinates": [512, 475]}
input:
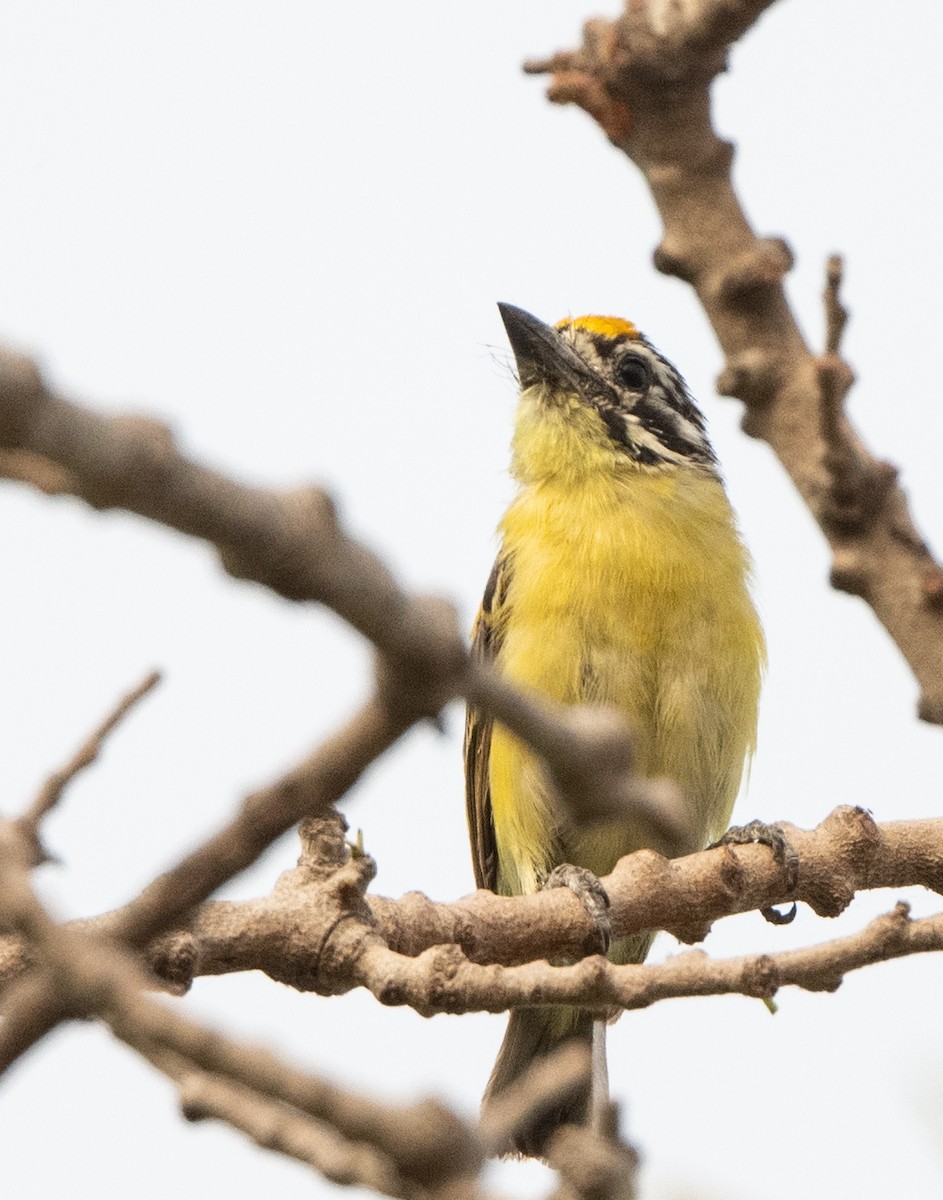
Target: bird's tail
{"type": "Point", "coordinates": [532, 1033]}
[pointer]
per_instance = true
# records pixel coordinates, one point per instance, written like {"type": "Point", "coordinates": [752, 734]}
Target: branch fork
{"type": "Point", "coordinates": [645, 79]}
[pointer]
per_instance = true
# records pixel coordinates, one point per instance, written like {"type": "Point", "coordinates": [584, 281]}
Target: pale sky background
{"type": "Point", "coordinates": [284, 227]}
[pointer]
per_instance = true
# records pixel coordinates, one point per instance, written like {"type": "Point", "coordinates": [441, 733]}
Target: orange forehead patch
{"type": "Point", "coordinates": [607, 326]}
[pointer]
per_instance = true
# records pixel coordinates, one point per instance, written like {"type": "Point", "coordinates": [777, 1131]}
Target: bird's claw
{"type": "Point", "coordinates": [590, 893]}
{"type": "Point", "coordinates": [759, 833]}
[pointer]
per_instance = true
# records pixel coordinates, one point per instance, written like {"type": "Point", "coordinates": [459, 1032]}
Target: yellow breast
{"type": "Point", "coordinates": [630, 590]}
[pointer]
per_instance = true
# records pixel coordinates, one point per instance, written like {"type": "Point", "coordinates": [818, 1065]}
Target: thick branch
{"type": "Point", "coordinates": [418, 1150]}
{"type": "Point", "coordinates": [293, 544]}
{"type": "Point", "coordinates": [284, 934]}
{"type": "Point", "coordinates": [443, 980]}
{"type": "Point", "coordinates": [89, 975]}
{"type": "Point", "coordinates": [82, 974]}
{"type": "Point", "coordinates": [31, 1009]}
{"type": "Point", "coordinates": [648, 88]}
{"type": "Point", "coordinates": [319, 930]}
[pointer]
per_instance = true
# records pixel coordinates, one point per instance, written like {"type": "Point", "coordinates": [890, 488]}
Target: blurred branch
{"type": "Point", "coordinates": [293, 544]}
{"type": "Point", "coordinates": [416, 1150]}
{"type": "Point", "coordinates": [547, 1084]}
{"type": "Point", "coordinates": [265, 815]}
{"type": "Point", "coordinates": [90, 975]}
{"type": "Point", "coordinates": [274, 1126]}
{"type": "Point", "coordinates": [20, 466]}
{"type": "Point", "coordinates": [645, 78]}
{"type": "Point", "coordinates": [51, 791]}
{"type": "Point", "coordinates": [592, 1166]}
{"type": "Point", "coordinates": [30, 1010]}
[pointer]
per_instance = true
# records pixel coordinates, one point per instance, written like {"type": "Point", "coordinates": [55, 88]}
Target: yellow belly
{"type": "Point", "coordinates": [630, 592]}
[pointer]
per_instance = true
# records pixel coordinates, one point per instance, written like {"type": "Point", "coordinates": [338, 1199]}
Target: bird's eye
{"type": "Point", "coordinates": [633, 372]}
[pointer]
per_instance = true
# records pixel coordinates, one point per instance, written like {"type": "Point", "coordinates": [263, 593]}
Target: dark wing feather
{"type": "Point", "coordinates": [487, 635]}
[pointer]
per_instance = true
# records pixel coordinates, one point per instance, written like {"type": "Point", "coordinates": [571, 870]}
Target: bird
{"type": "Point", "coordinates": [621, 580]}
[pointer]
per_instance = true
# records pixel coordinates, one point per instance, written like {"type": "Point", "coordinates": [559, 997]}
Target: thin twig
{"type": "Point", "coordinates": [836, 315]}
{"type": "Point", "coordinates": [51, 792]}
{"type": "Point", "coordinates": [309, 789]}
{"type": "Point", "coordinates": [857, 485]}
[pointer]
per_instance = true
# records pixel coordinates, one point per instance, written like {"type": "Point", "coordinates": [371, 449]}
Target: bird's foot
{"type": "Point", "coordinates": [590, 893]}
{"type": "Point", "coordinates": [759, 833]}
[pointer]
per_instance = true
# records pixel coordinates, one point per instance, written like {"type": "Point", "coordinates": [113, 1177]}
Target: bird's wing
{"type": "Point", "coordinates": [487, 636]}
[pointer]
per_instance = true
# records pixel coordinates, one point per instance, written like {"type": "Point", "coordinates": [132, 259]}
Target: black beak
{"type": "Point", "coordinates": [543, 357]}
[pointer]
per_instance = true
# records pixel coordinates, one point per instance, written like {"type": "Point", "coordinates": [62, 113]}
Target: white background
{"type": "Point", "coordinates": [284, 226]}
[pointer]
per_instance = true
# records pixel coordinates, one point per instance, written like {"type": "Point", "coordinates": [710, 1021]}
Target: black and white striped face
{"type": "Point", "coordinates": [642, 399]}
{"type": "Point", "coordinates": [609, 366]}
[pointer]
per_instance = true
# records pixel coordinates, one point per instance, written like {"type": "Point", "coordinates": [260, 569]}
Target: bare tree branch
{"type": "Point", "coordinates": [264, 816]}
{"type": "Point", "coordinates": [592, 1166]}
{"type": "Point", "coordinates": [847, 853]}
{"type": "Point", "coordinates": [274, 1126]}
{"type": "Point", "coordinates": [91, 976]}
{"type": "Point", "coordinates": [318, 931]}
{"type": "Point", "coordinates": [293, 544]}
{"type": "Point", "coordinates": [645, 79]}
{"type": "Point", "coordinates": [51, 791]}
{"type": "Point", "coordinates": [443, 980]}
{"type": "Point", "coordinates": [296, 933]}
{"type": "Point", "coordinates": [414, 1150]}
{"type": "Point", "coordinates": [30, 1010]}
{"type": "Point", "coordinates": [22, 467]}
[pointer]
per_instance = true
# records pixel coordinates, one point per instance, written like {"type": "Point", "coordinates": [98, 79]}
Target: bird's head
{"type": "Point", "coordinates": [595, 393]}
